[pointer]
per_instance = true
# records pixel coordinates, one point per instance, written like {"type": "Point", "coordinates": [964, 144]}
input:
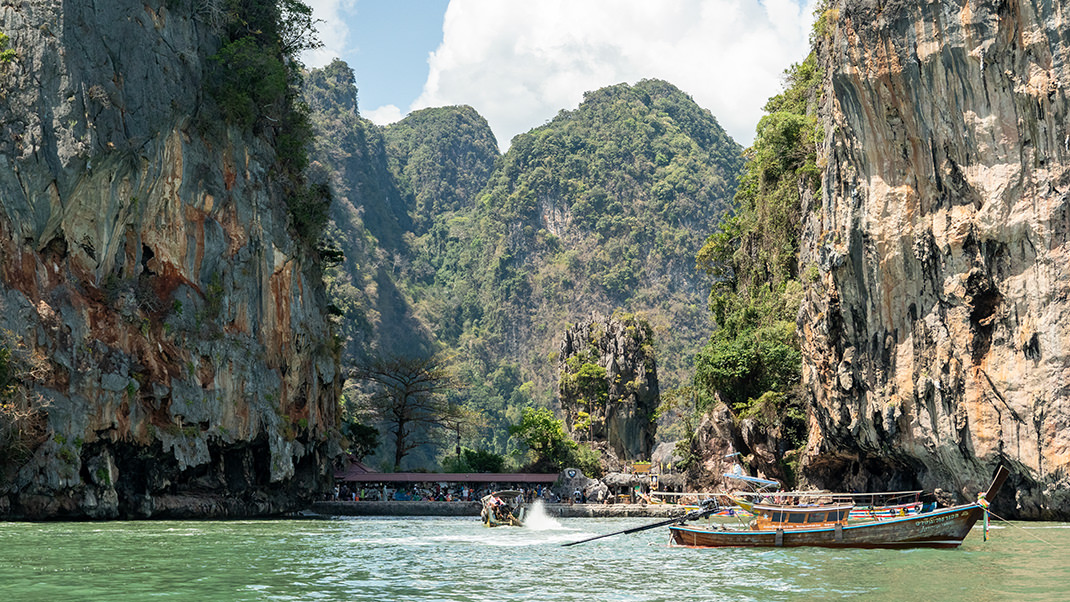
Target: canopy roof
{"type": "Point", "coordinates": [749, 479]}
{"type": "Point", "coordinates": [356, 474]}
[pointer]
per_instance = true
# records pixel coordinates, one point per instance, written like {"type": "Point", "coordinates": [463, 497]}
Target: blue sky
{"type": "Point", "coordinates": [389, 44]}
{"type": "Point", "coordinates": [519, 62]}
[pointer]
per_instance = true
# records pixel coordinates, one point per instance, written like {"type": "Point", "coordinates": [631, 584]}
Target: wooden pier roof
{"type": "Point", "coordinates": [358, 473]}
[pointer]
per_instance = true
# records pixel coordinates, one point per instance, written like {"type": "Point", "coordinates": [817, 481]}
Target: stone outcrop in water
{"type": "Point", "coordinates": [937, 338]}
{"type": "Point", "coordinates": [609, 385]}
{"type": "Point", "coordinates": [189, 364]}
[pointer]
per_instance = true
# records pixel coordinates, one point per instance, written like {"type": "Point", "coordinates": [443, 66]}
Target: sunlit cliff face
{"type": "Point", "coordinates": [936, 338]}
{"type": "Point", "coordinates": [148, 256]}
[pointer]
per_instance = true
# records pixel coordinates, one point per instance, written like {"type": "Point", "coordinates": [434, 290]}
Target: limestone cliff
{"type": "Point", "coordinates": [151, 260]}
{"type": "Point", "coordinates": [937, 337]}
{"type": "Point", "coordinates": [609, 385]}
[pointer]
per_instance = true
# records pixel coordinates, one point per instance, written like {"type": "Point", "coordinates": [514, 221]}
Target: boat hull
{"type": "Point", "coordinates": [944, 528]}
{"type": "Point", "coordinates": [490, 520]}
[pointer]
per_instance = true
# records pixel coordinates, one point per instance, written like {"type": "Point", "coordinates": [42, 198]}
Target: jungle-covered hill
{"type": "Point", "coordinates": [450, 246]}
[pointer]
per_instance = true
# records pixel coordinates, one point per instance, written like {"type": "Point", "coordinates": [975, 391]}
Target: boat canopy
{"type": "Point", "coordinates": [755, 480]}
{"type": "Point", "coordinates": [802, 515]}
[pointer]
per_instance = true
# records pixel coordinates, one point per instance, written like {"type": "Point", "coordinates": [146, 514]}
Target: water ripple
{"type": "Point", "coordinates": [457, 559]}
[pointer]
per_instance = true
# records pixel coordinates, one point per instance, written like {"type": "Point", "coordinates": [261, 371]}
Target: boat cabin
{"type": "Point", "coordinates": [799, 517]}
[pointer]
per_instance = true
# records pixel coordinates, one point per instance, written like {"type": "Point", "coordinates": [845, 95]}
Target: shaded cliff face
{"type": "Point", "coordinates": [369, 222]}
{"type": "Point", "coordinates": [189, 368]}
{"type": "Point", "coordinates": [936, 337]}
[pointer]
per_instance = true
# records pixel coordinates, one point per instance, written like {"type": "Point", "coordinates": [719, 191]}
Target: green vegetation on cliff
{"type": "Point", "coordinates": [255, 82]}
{"type": "Point", "coordinates": [369, 223]}
{"type": "Point", "coordinates": [6, 54]}
{"type": "Point", "coordinates": [450, 246]}
{"type": "Point", "coordinates": [441, 158]}
{"type": "Point", "coordinates": [602, 208]}
{"type": "Point", "coordinates": [753, 359]}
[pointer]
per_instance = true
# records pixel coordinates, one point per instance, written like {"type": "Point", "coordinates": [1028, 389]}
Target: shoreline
{"type": "Point", "coordinates": [425, 508]}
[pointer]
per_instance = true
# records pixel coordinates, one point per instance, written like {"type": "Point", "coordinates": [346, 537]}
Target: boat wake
{"type": "Point", "coordinates": [538, 520]}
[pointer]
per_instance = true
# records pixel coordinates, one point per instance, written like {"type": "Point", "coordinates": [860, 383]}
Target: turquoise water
{"type": "Point", "coordinates": [459, 559]}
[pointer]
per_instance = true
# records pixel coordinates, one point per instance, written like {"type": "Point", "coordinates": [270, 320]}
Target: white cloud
{"type": "Point", "coordinates": [383, 115]}
{"type": "Point", "coordinates": [519, 63]}
{"type": "Point", "coordinates": [331, 29]}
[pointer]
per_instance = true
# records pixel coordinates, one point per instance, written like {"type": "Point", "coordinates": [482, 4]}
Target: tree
{"type": "Point", "coordinates": [23, 416]}
{"type": "Point", "coordinates": [6, 54]}
{"type": "Point", "coordinates": [409, 398]}
{"type": "Point", "coordinates": [585, 386]}
{"type": "Point", "coordinates": [361, 438]}
{"type": "Point", "coordinates": [545, 436]}
{"type": "Point", "coordinates": [681, 404]}
{"type": "Point", "coordinates": [470, 460]}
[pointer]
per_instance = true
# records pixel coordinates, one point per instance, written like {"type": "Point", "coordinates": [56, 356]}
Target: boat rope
{"type": "Point", "coordinates": [1041, 539]}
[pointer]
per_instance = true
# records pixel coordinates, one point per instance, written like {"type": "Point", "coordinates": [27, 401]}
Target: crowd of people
{"type": "Point", "coordinates": [431, 492]}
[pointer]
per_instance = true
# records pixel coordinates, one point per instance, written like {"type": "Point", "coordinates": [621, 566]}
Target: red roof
{"type": "Point", "coordinates": [361, 474]}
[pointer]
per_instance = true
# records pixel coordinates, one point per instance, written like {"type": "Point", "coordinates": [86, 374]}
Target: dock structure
{"type": "Point", "coordinates": [380, 497]}
{"type": "Point", "coordinates": [459, 508]}
{"type": "Point", "coordinates": [359, 474]}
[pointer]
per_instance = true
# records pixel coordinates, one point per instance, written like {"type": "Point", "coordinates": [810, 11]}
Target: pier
{"type": "Point", "coordinates": [432, 508]}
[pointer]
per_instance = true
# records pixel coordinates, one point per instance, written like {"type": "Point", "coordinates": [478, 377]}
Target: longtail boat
{"type": "Point", "coordinates": [503, 508]}
{"type": "Point", "coordinates": [827, 526]}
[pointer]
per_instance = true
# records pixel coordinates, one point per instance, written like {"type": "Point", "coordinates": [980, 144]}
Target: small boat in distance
{"type": "Point", "coordinates": [503, 508]}
{"type": "Point", "coordinates": [827, 526]}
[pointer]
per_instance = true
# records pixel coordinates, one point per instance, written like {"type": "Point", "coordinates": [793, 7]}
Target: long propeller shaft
{"type": "Point", "coordinates": [693, 515]}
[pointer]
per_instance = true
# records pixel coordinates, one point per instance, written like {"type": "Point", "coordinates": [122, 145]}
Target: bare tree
{"type": "Point", "coordinates": [23, 419]}
{"type": "Point", "coordinates": [409, 398]}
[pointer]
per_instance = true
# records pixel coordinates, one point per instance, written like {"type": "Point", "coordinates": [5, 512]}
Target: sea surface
{"type": "Point", "coordinates": [415, 559]}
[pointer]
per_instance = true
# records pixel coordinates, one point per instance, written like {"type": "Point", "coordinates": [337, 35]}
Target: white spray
{"type": "Point", "coordinates": [538, 520]}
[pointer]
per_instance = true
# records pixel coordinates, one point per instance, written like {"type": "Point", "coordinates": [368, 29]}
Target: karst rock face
{"type": "Point", "coordinates": [621, 406]}
{"type": "Point", "coordinates": [937, 337]}
{"type": "Point", "coordinates": [149, 259]}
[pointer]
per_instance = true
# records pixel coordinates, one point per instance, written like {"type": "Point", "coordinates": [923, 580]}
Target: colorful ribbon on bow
{"type": "Point", "coordinates": [983, 503]}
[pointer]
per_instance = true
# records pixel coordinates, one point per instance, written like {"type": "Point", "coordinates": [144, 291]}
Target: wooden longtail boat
{"type": "Point", "coordinates": [827, 526]}
{"type": "Point", "coordinates": [503, 508]}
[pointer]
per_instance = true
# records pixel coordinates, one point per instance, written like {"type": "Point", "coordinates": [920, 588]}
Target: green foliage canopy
{"type": "Point", "coordinates": [474, 461]}
{"type": "Point", "coordinates": [7, 55]}
{"type": "Point", "coordinates": [554, 450]}
{"type": "Point", "coordinates": [753, 256]}
{"type": "Point", "coordinates": [362, 439]}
